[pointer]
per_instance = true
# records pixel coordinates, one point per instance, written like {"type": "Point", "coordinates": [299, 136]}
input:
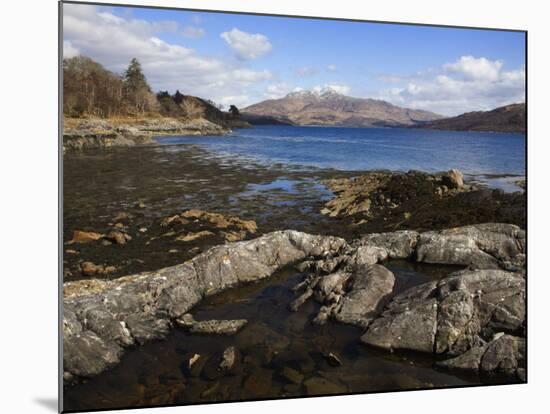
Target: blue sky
{"type": "Point", "coordinates": [243, 59]}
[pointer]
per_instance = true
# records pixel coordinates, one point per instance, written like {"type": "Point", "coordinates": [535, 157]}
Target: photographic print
{"type": "Point", "coordinates": [261, 207]}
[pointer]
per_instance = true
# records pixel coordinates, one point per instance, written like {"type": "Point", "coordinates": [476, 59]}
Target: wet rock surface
{"type": "Point", "coordinates": [282, 353]}
{"type": "Point", "coordinates": [217, 327]}
{"type": "Point", "coordinates": [451, 316]}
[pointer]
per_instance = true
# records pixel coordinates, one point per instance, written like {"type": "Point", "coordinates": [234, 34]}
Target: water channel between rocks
{"type": "Point", "coordinates": [282, 354]}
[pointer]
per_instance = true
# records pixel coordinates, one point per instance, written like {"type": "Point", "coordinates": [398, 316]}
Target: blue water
{"type": "Point", "coordinates": [358, 149]}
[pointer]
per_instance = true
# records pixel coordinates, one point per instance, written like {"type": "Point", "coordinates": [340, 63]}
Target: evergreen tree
{"type": "Point", "coordinates": [234, 111]}
{"type": "Point", "coordinates": [138, 91]}
{"type": "Point", "coordinates": [178, 97]}
{"type": "Point", "coordinates": [134, 79]}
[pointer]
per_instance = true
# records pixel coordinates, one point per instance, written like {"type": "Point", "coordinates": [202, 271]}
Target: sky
{"type": "Point", "coordinates": [243, 59]}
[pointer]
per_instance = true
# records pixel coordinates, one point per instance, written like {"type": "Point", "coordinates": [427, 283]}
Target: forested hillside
{"type": "Point", "coordinates": [91, 90]}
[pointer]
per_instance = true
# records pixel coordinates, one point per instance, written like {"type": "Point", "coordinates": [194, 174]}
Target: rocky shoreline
{"type": "Point", "coordinates": [475, 318]}
{"type": "Point", "coordinates": [93, 133]}
{"type": "Point", "coordinates": [387, 201]}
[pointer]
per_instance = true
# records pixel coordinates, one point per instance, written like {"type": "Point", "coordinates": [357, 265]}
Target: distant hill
{"type": "Point", "coordinates": [509, 118]}
{"type": "Point", "coordinates": [331, 108]}
{"type": "Point", "coordinates": [253, 119]}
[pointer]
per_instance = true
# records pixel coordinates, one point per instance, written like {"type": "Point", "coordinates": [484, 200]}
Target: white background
{"type": "Point", "coordinates": [28, 219]}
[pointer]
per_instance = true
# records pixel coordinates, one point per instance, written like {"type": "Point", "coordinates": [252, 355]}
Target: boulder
{"type": "Point", "coordinates": [453, 179]}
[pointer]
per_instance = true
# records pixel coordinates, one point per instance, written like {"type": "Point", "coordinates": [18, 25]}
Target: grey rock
{"type": "Point", "coordinates": [330, 283]}
{"type": "Point", "coordinates": [370, 286]}
{"type": "Point", "coordinates": [468, 361]}
{"type": "Point", "coordinates": [481, 246]}
{"type": "Point", "coordinates": [398, 244]}
{"type": "Point", "coordinates": [369, 255]}
{"type": "Point", "coordinates": [504, 354]}
{"type": "Point", "coordinates": [103, 317]}
{"type": "Point", "coordinates": [413, 329]}
{"type": "Point", "coordinates": [86, 354]}
{"type": "Point", "coordinates": [217, 327]}
{"type": "Point", "coordinates": [144, 327]}
{"type": "Point", "coordinates": [453, 315]}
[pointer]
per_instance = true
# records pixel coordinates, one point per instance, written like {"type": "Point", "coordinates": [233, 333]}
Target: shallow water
{"type": "Point", "coordinates": [360, 149]}
{"type": "Point", "coordinates": [275, 338]}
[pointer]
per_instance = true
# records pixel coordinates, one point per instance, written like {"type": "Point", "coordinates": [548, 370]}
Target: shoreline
{"type": "Point", "coordinates": [94, 133]}
{"type": "Point", "coordinates": [150, 234]}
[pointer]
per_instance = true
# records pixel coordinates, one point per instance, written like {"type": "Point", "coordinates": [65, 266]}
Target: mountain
{"type": "Point", "coordinates": [509, 118]}
{"type": "Point", "coordinates": [328, 107]}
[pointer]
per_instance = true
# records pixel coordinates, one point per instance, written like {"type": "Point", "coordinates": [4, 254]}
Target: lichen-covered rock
{"type": "Point", "coordinates": [453, 315]}
{"type": "Point", "coordinates": [482, 246]}
{"type": "Point", "coordinates": [370, 286]}
{"type": "Point", "coordinates": [399, 244]}
{"type": "Point", "coordinates": [369, 255]}
{"type": "Point", "coordinates": [217, 327]}
{"type": "Point", "coordinates": [504, 354]}
{"type": "Point", "coordinates": [103, 317]}
{"type": "Point", "coordinates": [86, 354]}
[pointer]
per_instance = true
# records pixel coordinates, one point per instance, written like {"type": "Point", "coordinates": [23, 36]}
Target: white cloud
{"type": "Point", "coordinates": [113, 40]}
{"type": "Point", "coordinates": [193, 32]}
{"type": "Point", "coordinates": [475, 68]}
{"type": "Point", "coordinates": [468, 84]}
{"type": "Point", "coordinates": [247, 45]}
{"type": "Point", "coordinates": [332, 68]}
{"type": "Point", "coordinates": [69, 50]}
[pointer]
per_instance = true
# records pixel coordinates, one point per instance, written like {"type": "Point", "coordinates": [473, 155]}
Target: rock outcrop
{"type": "Point", "coordinates": [101, 319]}
{"type": "Point", "coordinates": [101, 133]}
{"type": "Point", "coordinates": [459, 316]}
{"type": "Point", "coordinates": [475, 317]}
{"type": "Point", "coordinates": [460, 312]}
{"type": "Point", "coordinates": [388, 201]}
{"type": "Point", "coordinates": [484, 246]}
{"type": "Point", "coordinates": [504, 354]}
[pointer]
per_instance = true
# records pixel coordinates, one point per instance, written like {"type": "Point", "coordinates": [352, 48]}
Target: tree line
{"type": "Point", "coordinates": [90, 89]}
